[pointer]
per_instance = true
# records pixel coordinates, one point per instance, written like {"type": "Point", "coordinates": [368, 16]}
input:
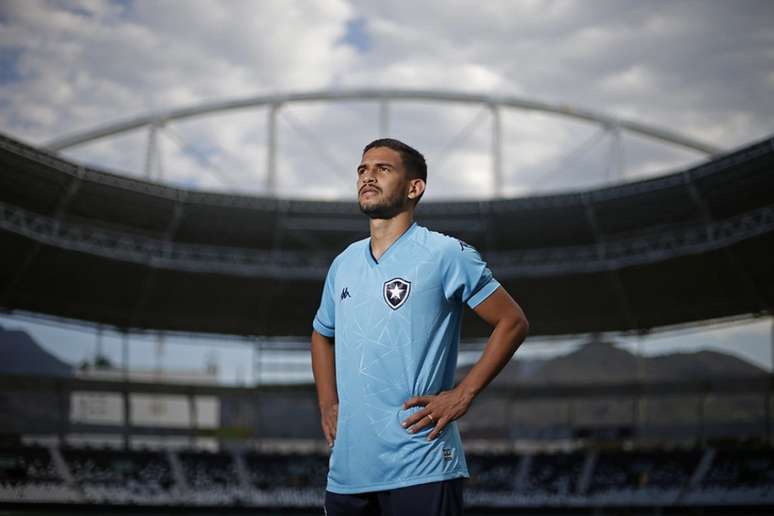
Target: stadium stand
{"type": "Point", "coordinates": [587, 477]}
{"type": "Point", "coordinates": [121, 476]}
{"type": "Point", "coordinates": [269, 470]}
{"type": "Point", "coordinates": [737, 477]}
{"type": "Point", "coordinates": [211, 477]}
{"type": "Point", "coordinates": [29, 474]}
{"type": "Point", "coordinates": [652, 477]}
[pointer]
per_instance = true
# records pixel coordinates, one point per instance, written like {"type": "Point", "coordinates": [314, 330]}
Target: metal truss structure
{"type": "Point", "coordinates": [495, 104]}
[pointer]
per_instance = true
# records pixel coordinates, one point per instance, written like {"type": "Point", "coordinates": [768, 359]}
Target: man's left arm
{"type": "Point", "coordinates": [510, 329]}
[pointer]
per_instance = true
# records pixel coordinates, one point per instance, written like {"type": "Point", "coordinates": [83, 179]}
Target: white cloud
{"type": "Point", "coordinates": [634, 79]}
{"type": "Point", "coordinates": [692, 67]}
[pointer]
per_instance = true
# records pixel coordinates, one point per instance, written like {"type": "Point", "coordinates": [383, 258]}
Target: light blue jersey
{"type": "Point", "coordinates": [396, 324]}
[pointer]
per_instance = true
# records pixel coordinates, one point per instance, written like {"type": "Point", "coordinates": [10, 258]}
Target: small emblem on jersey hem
{"type": "Point", "coordinates": [448, 454]}
{"type": "Point", "coordinates": [396, 292]}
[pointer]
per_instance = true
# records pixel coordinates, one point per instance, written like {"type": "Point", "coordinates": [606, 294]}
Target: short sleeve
{"type": "Point", "coordinates": [325, 318]}
{"type": "Point", "coordinates": [466, 275]}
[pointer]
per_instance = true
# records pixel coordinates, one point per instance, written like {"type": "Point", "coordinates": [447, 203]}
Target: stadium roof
{"type": "Point", "coordinates": [97, 246]}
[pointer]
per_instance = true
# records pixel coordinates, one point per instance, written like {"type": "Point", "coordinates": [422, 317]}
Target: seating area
{"type": "Point", "coordinates": [579, 478]}
{"type": "Point", "coordinates": [267, 471]}
{"type": "Point", "coordinates": [745, 469]}
{"type": "Point", "coordinates": [493, 472]}
{"type": "Point", "coordinates": [555, 474]}
{"type": "Point", "coordinates": [121, 476]}
{"type": "Point", "coordinates": [738, 477]}
{"type": "Point", "coordinates": [204, 470]}
{"type": "Point", "coordinates": [29, 474]}
{"type": "Point", "coordinates": [27, 465]}
{"type": "Point", "coordinates": [639, 470]}
{"type": "Point", "coordinates": [119, 467]}
{"type": "Point", "coordinates": [211, 478]}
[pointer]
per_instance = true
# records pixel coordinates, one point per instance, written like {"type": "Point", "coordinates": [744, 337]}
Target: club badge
{"type": "Point", "coordinates": [396, 291]}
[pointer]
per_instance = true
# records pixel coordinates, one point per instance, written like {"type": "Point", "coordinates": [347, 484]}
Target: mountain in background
{"type": "Point", "coordinates": [599, 361]}
{"type": "Point", "coordinates": [21, 410]}
{"type": "Point", "coordinates": [20, 354]}
{"type": "Point", "coordinates": [602, 362]}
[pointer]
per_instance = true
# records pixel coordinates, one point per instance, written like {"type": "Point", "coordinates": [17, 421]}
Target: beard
{"type": "Point", "coordinates": [386, 208]}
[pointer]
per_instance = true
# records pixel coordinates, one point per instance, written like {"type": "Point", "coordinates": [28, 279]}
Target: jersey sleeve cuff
{"type": "Point", "coordinates": [322, 329]}
{"type": "Point", "coordinates": [483, 293]}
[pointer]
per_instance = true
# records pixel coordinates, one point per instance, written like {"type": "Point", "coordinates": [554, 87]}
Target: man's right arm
{"type": "Point", "coordinates": [324, 370]}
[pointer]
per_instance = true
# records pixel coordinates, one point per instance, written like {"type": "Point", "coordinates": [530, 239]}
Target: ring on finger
{"type": "Point", "coordinates": [431, 417]}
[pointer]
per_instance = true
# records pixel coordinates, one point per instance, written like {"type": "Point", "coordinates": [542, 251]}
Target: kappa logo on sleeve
{"type": "Point", "coordinates": [396, 292]}
{"type": "Point", "coordinates": [465, 245]}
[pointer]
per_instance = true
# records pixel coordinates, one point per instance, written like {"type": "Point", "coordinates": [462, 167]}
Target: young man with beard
{"type": "Point", "coordinates": [384, 349]}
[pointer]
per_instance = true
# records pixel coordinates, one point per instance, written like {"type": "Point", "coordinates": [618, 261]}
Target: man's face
{"type": "Point", "coordinates": [382, 183]}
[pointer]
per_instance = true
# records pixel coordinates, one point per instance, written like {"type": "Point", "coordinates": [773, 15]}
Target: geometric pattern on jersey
{"type": "Point", "coordinates": [396, 325]}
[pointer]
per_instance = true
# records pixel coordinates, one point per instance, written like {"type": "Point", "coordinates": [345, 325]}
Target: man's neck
{"type": "Point", "coordinates": [386, 231]}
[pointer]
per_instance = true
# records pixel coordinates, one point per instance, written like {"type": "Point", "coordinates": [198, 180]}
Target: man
{"type": "Point", "coordinates": [392, 305]}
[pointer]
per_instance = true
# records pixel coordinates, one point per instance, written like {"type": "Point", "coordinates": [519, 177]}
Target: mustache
{"type": "Point", "coordinates": [369, 186]}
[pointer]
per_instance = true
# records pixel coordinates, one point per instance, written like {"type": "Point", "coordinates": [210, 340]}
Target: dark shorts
{"type": "Point", "coordinates": [442, 498]}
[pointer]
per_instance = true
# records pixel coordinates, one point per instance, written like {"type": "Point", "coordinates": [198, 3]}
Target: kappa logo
{"type": "Point", "coordinates": [396, 292]}
{"type": "Point", "coordinates": [344, 294]}
{"type": "Point", "coordinates": [464, 245]}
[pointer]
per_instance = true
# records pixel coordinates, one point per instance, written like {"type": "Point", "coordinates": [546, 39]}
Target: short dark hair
{"type": "Point", "coordinates": [412, 159]}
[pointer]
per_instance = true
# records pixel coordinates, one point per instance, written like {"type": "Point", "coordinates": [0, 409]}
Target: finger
{"type": "Point", "coordinates": [422, 423]}
{"type": "Point", "coordinates": [328, 437]}
{"type": "Point", "coordinates": [329, 426]}
{"type": "Point", "coordinates": [416, 401]}
{"type": "Point", "coordinates": [332, 429]}
{"type": "Point", "coordinates": [439, 426]}
{"type": "Point", "coordinates": [415, 418]}
{"type": "Point", "coordinates": [328, 434]}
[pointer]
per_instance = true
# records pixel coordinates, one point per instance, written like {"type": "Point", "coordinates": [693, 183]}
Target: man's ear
{"type": "Point", "coordinates": [416, 188]}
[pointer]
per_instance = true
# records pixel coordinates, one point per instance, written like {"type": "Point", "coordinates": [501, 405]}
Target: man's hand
{"type": "Point", "coordinates": [328, 418]}
{"type": "Point", "coordinates": [439, 410]}
{"type": "Point", "coordinates": [510, 330]}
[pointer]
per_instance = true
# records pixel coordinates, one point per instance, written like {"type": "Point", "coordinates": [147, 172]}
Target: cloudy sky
{"type": "Point", "coordinates": [704, 69]}
{"type": "Point", "coordinates": [700, 68]}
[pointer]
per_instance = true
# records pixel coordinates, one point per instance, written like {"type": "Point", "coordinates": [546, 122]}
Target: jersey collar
{"type": "Point", "coordinates": [369, 255]}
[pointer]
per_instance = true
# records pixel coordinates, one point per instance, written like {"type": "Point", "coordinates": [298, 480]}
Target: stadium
{"type": "Point", "coordinates": [682, 249]}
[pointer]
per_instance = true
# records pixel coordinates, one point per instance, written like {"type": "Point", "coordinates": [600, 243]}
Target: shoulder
{"type": "Point", "coordinates": [442, 243]}
{"type": "Point", "coordinates": [350, 251]}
